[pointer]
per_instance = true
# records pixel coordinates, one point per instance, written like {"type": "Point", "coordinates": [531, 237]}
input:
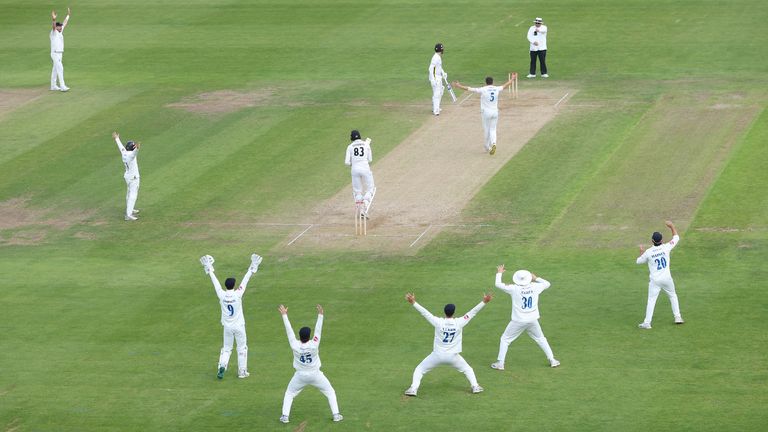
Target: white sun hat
{"type": "Point", "coordinates": [538, 20]}
{"type": "Point", "coordinates": [522, 277]}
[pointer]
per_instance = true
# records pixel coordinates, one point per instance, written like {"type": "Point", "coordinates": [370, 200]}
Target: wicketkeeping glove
{"type": "Point", "coordinates": [255, 261]}
{"type": "Point", "coordinates": [207, 262]}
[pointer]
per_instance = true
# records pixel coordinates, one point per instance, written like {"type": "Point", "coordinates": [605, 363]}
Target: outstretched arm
{"type": "Point", "coordinates": [120, 145]}
{"type": "Point", "coordinates": [544, 284]}
{"type": "Point", "coordinates": [288, 329]}
{"type": "Point", "coordinates": [675, 237]}
{"type": "Point", "coordinates": [425, 313]}
{"type": "Point", "coordinates": [671, 226]}
{"type": "Point", "coordinates": [53, 20]}
{"type": "Point", "coordinates": [66, 20]}
{"type": "Point", "coordinates": [460, 85]}
{"type": "Point", "coordinates": [216, 283]}
{"type": "Point", "coordinates": [499, 284]}
{"type": "Point", "coordinates": [319, 323]}
{"type": "Point", "coordinates": [508, 83]}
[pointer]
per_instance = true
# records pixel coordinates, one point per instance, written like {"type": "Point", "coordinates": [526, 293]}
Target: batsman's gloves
{"type": "Point", "coordinates": [207, 262]}
{"type": "Point", "coordinates": [255, 261]}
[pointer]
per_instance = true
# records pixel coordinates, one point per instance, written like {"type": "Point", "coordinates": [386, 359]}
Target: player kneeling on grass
{"type": "Point", "coordinates": [660, 278]}
{"type": "Point", "coordinates": [525, 313]}
{"type": "Point", "coordinates": [358, 156]}
{"type": "Point", "coordinates": [306, 361]}
{"type": "Point", "coordinates": [489, 108]}
{"type": "Point", "coordinates": [232, 318]}
{"type": "Point", "coordinates": [446, 348]}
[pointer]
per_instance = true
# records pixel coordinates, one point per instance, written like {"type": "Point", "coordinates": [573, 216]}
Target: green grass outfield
{"type": "Point", "coordinates": [110, 326]}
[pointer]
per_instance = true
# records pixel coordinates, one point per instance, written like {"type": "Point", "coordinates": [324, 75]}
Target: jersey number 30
{"type": "Point", "coordinates": [358, 151]}
{"type": "Point", "coordinates": [527, 302]}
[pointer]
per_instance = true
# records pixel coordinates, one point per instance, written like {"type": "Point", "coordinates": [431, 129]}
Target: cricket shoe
{"type": "Point", "coordinates": [64, 89]}
{"type": "Point", "coordinates": [220, 375]}
{"type": "Point", "coordinates": [493, 150]}
{"type": "Point", "coordinates": [644, 325]}
{"type": "Point", "coordinates": [284, 419]}
{"type": "Point", "coordinates": [338, 417]}
{"type": "Point", "coordinates": [410, 392]}
{"type": "Point", "coordinates": [243, 374]}
{"type": "Point", "coordinates": [136, 211]}
{"type": "Point", "coordinates": [531, 76]}
{"type": "Point", "coordinates": [679, 320]}
{"type": "Point", "coordinates": [545, 75]}
{"type": "Point", "coordinates": [131, 218]}
{"type": "Point", "coordinates": [497, 365]}
{"type": "Point", "coordinates": [55, 88]}
{"type": "Point", "coordinates": [477, 389]}
{"type": "Point", "coordinates": [554, 363]}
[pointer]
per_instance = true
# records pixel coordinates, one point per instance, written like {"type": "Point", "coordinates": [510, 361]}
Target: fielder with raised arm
{"type": "Point", "coordinates": [525, 313]}
{"type": "Point", "coordinates": [57, 52]}
{"type": "Point", "coordinates": [129, 154]}
{"type": "Point", "coordinates": [232, 319]}
{"type": "Point", "coordinates": [489, 108]}
{"type": "Point", "coordinates": [446, 349]}
{"type": "Point", "coordinates": [306, 361]}
{"type": "Point", "coordinates": [660, 278]}
{"type": "Point", "coordinates": [359, 156]}
{"type": "Point", "coordinates": [436, 77]}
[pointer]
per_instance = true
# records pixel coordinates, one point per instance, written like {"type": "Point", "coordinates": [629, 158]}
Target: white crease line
{"type": "Point", "coordinates": [419, 237]}
{"type": "Point", "coordinates": [561, 99]}
{"type": "Point", "coordinates": [302, 233]}
{"type": "Point", "coordinates": [518, 24]}
{"type": "Point", "coordinates": [469, 95]}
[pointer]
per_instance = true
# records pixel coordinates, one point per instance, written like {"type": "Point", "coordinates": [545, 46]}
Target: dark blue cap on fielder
{"type": "Point", "coordinates": [354, 135]}
{"type": "Point", "coordinates": [449, 309]}
{"type": "Point", "coordinates": [229, 283]}
{"type": "Point", "coordinates": [130, 145]}
{"type": "Point", "coordinates": [439, 47]}
{"type": "Point", "coordinates": [656, 237]}
{"type": "Point", "coordinates": [304, 333]}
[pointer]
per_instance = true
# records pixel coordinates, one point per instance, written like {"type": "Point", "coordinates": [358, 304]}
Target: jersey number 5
{"type": "Point", "coordinates": [493, 96]}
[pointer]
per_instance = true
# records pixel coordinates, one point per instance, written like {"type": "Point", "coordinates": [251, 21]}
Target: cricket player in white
{"type": "Point", "coordinates": [525, 313]}
{"type": "Point", "coordinates": [232, 319]}
{"type": "Point", "coordinates": [446, 349]}
{"type": "Point", "coordinates": [57, 51]}
{"type": "Point", "coordinates": [359, 155]}
{"type": "Point", "coordinates": [489, 109]}
{"type": "Point", "coordinates": [436, 76]}
{"type": "Point", "coordinates": [306, 361]}
{"type": "Point", "coordinates": [129, 154]}
{"type": "Point", "coordinates": [658, 259]}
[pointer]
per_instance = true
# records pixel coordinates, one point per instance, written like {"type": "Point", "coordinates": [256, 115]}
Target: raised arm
{"type": "Point", "coordinates": [541, 281]}
{"type": "Point", "coordinates": [499, 284]}
{"type": "Point", "coordinates": [254, 267]}
{"type": "Point", "coordinates": [642, 259]}
{"type": "Point", "coordinates": [471, 314]}
{"type": "Point", "coordinates": [120, 146]}
{"type": "Point", "coordinates": [319, 323]}
{"type": "Point", "coordinates": [53, 20]}
{"type": "Point", "coordinates": [288, 329]}
{"type": "Point", "coordinates": [66, 20]}
{"type": "Point", "coordinates": [216, 283]}
{"type": "Point", "coordinates": [675, 236]}
{"type": "Point", "coordinates": [460, 85]}
{"type": "Point", "coordinates": [508, 83]}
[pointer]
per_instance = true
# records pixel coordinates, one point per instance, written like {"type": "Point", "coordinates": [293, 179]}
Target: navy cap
{"type": "Point", "coordinates": [304, 333]}
{"type": "Point", "coordinates": [449, 309]}
{"type": "Point", "coordinates": [656, 237]}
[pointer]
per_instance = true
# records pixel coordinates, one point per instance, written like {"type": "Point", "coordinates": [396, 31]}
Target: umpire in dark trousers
{"type": "Point", "coordinates": [537, 36]}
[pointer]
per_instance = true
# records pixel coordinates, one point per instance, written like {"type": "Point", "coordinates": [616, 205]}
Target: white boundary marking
{"type": "Point", "coordinates": [302, 233]}
{"type": "Point", "coordinates": [469, 95]}
{"type": "Point", "coordinates": [419, 237]}
{"type": "Point", "coordinates": [561, 99]}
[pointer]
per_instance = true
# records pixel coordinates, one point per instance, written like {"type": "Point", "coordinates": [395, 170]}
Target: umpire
{"type": "Point", "coordinates": [537, 36]}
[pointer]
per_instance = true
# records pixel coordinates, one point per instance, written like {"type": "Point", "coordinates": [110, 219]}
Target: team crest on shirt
{"type": "Point", "coordinates": [466, 317]}
{"type": "Point", "coordinates": [315, 339]}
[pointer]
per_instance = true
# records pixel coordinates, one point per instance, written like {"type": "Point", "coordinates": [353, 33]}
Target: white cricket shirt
{"type": "Point", "coordinates": [306, 356]}
{"type": "Point", "coordinates": [57, 41]}
{"type": "Point", "coordinates": [540, 37]}
{"type": "Point", "coordinates": [359, 154]}
{"type": "Point", "coordinates": [658, 259]}
{"type": "Point", "coordinates": [525, 299]}
{"type": "Point", "coordinates": [448, 330]}
{"type": "Point", "coordinates": [489, 97]}
{"type": "Point", "coordinates": [436, 68]}
{"type": "Point", "coordinates": [231, 301]}
{"type": "Point", "coordinates": [129, 160]}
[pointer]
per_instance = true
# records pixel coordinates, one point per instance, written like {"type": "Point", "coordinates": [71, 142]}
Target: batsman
{"type": "Point", "coordinates": [359, 156]}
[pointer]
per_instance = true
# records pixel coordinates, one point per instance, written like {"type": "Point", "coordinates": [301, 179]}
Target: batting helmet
{"type": "Point", "coordinates": [354, 135]}
{"type": "Point", "coordinates": [439, 47]}
{"type": "Point", "coordinates": [130, 145]}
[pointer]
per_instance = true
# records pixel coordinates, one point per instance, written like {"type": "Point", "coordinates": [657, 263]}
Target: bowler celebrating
{"type": "Point", "coordinates": [658, 259]}
{"type": "Point", "coordinates": [359, 155]}
{"type": "Point", "coordinates": [57, 51]}
{"type": "Point", "coordinates": [446, 349]}
{"type": "Point", "coordinates": [306, 361]}
{"type": "Point", "coordinates": [525, 313]}
{"type": "Point", "coordinates": [232, 319]}
{"type": "Point", "coordinates": [489, 109]}
{"type": "Point", "coordinates": [129, 154]}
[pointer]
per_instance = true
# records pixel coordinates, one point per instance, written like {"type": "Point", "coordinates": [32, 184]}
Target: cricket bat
{"type": "Point", "coordinates": [450, 89]}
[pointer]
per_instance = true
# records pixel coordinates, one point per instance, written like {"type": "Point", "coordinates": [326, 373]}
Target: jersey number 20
{"type": "Point", "coordinates": [661, 263]}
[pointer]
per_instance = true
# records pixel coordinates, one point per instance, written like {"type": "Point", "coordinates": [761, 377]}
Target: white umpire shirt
{"type": "Point", "coordinates": [540, 37]}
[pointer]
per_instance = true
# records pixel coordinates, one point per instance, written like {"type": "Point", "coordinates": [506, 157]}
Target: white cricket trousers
{"type": "Point", "coordinates": [654, 287]}
{"type": "Point", "coordinates": [58, 70]}
{"type": "Point", "coordinates": [131, 195]}
{"type": "Point", "coordinates": [438, 359]}
{"type": "Point", "coordinates": [232, 334]}
{"type": "Point", "coordinates": [515, 329]}
{"type": "Point", "coordinates": [437, 95]}
{"type": "Point", "coordinates": [362, 174]}
{"type": "Point", "coordinates": [316, 379]}
{"type": "Point", "coordinates": [490, 120]}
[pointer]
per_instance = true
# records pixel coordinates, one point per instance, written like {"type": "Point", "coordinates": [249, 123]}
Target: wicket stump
{"type": "Point", "coordinates": [361, 219]}
{"type": "Point", "coordinates": [513, 87]}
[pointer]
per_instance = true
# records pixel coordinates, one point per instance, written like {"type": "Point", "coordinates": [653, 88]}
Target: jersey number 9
{"type": "Point", "coordinates": [231, 310]}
